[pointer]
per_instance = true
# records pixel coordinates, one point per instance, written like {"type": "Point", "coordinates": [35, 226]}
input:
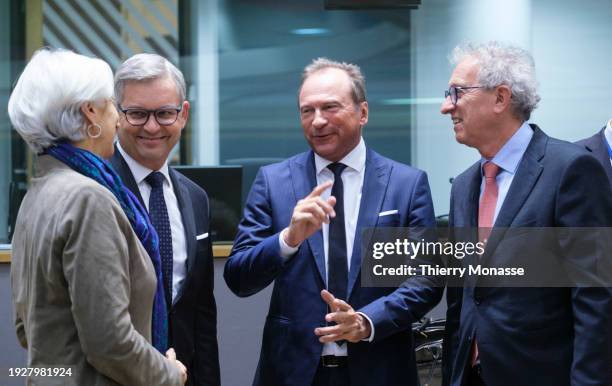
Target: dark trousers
{"type": "Point", "coordinates": [473, 376]}
{"type": "Point", "coordinates": [331, 376]}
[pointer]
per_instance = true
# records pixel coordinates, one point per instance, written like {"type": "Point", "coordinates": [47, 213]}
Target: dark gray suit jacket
{"type": "Point", "coordinates": [550, 336]}
{"type": "Point", "coordinates": [596, 145]}
{"type": "Point", "coordinates": [193, 315]}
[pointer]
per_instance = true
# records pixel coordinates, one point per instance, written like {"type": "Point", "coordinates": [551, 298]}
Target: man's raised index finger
{"type": "Point", "coordinates": [320, 189]}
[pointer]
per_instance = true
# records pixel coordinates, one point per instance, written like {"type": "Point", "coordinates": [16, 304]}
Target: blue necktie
{"type": "Point", "coordinates": [158, 212]}
{"type": "Point", "coordinates": [337, 277]}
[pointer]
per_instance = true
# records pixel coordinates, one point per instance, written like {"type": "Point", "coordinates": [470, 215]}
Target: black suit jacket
{"type": "Point", "coordinates": [549, 336]}
{"type": "Point", "coordinates": [193, 315]}
{"type": "Point", "coordinates": [596, 145]}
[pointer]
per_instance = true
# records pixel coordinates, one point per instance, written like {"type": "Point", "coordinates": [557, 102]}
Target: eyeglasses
{"type": "Point", "coordinates": [454, 91]}
{"type": "Point", "coordinates": [139, 117]}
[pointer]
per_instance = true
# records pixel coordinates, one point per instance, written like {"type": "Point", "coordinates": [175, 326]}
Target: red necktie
{"type": "Point", "coordinates": [486, 209]}
{"type": "Point", "coordinates": [486, 213]}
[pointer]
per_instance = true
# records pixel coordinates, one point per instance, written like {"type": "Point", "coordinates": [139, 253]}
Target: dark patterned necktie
{"type": "Point", "coordinates": [337, 278]}
{"type": "Point", "coordinates": [158, 212]}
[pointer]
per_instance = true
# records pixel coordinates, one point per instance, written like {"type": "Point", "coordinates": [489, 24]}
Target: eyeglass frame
{"type": "Point", "coordinates": [449, 93]}
{"type": "Point", "coordinates": [149, 112]}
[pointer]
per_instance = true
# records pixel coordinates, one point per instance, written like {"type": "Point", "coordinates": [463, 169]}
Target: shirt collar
{"type": "Point", "coordinates": [510, 155]}
{"type": "Point", "coordinates": [141, 172]}
{"type": "Point", "coordinates": [355, 159]}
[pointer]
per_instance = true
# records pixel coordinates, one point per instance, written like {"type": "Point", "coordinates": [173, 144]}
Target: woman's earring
{"type": "Point", "coordinates": [97, 126]}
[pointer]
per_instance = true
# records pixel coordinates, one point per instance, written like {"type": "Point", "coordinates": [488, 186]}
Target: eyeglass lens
{"type": "Point", "coordinates": [163, 117]}
{"type": "Point", "coordinates": [452, 92]}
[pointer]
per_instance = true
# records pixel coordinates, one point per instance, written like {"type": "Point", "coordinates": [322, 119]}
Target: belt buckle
{"type": "Point", "coordinates": [329, 361]}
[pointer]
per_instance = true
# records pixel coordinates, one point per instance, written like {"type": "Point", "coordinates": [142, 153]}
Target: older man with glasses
{"type": "Point", "coordinates": [150, 95]}
{"type": "Point", "coordinates": [499, 336]}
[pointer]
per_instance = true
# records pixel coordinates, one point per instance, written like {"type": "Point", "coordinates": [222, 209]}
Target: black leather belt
{"type": "Point", "coordinates": [333, 361]}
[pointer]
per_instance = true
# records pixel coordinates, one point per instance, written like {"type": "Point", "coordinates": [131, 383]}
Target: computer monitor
{"type": "Point", "coordinates": [223, 184]}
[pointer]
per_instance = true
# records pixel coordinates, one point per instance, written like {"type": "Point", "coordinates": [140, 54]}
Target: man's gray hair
{"type": "Point", "coordinates": [145, 67]}
{"type": "Point", "coordinates": [504, 64]}
{"type": "Point", "coordinates": [45, 106]}
{"type": "Point", "coordinates": [352, 70]}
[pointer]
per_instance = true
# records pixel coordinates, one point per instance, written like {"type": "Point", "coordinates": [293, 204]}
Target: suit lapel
{"type": "Point", "coordinates": [375, 182]}
{"type": "Point", "coordinates": [122, 168]}
{"type": "Point", "coordinates": [466, 203]}
{"type": "Point", "coordinates": [527, 175]}
{"type": "Point", "coordinates": [465, 207]}
{"type": "Point", "coordinates": [304, 180]}
{"type": "Point", "coordinates": [186, 208]}
{"type": "Point", "coordinates": [600, 151]}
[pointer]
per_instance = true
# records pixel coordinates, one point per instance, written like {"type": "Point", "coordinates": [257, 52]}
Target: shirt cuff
{"type": "Point", "coordinates": [371, 337]}
{"type": "Point", "coordinates": [285, 250]}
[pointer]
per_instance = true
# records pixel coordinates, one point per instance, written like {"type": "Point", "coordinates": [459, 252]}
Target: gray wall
{"type": "Point", "coordinates": [240, 324]}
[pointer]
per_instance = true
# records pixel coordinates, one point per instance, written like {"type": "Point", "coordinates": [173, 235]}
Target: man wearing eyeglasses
{"type": "Point", "coordinates": [150, 95]}
{"type": "Point", "coordinates": [302, 230]}
{"type": "Point", "coordinates": [543, 336]}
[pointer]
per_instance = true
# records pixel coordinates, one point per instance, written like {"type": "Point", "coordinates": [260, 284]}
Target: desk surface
{"type": "Point", "coordinates": [5, 256]}
{"type": "Point", "coordinates": [219, 251]}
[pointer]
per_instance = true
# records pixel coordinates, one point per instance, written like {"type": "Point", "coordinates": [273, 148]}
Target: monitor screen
{"type": "Point", "coordinates": [223, 184]}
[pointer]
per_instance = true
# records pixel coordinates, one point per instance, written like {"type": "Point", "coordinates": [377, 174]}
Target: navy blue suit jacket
{"type": "Point", "coordinates": [290, 350]}
{"type": "Point", "coordinates": [535, 336]}
{"type": "Point", "coordinates": [596, 145]}
{"type": "Point", "coordinates": [193, 314]}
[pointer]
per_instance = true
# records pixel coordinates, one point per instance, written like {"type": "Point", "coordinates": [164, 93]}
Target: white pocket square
{"type": "Point", "coordinates": [202, 236]}
{"type": "Point", "coordinates": [387, 213]}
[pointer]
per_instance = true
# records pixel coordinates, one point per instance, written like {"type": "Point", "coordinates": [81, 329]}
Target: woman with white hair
{"type": "Point", "coordinates": [85, 271]}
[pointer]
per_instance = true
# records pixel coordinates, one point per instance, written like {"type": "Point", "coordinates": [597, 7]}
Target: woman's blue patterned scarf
{"type": "Point", "coordinates": [94, 167]}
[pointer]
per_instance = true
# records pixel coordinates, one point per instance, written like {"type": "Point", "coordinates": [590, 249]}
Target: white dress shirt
{"type": "Point", "coordinates": [352, 180]}
{"type": "Point", "coordinates": [179, 244]}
